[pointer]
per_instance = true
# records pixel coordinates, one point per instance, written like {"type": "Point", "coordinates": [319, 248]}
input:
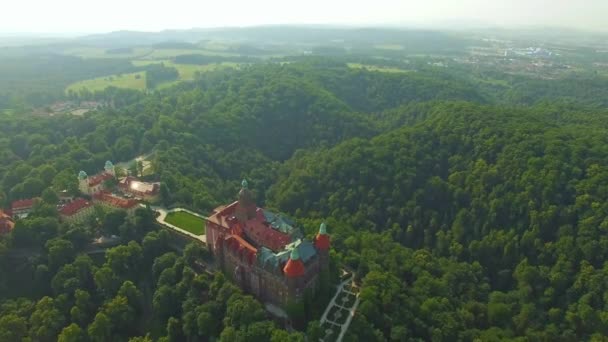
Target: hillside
{"type": "Point", "coordinates": [467, 209]}
{"type": "Point", "coordinates": [513, 198]}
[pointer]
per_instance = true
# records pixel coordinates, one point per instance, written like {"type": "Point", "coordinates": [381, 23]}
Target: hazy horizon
{"type": "Point", "coordinates": [69, 17]}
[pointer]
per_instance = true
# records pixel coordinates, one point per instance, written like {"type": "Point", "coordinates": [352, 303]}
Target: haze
{"type": "Point", "coordinates": [64, 16]}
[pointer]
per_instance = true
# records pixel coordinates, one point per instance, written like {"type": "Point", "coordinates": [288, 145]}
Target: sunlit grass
{"type": "Point", "coordinates": [136, 80]}
{"type": "Point", "coordinates": [186, 221]}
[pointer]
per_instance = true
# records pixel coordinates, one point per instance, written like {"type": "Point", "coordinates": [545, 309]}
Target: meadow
{"type": "Point", "coordinates": [136, 80]}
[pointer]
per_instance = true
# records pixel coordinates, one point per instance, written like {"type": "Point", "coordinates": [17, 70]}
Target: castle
{"type": "Point", "coordinates": [96, 184]}
{"type": "Point", "coordinates": [131, 186]}
{"type": "Point", "coordinates": [264, 253]}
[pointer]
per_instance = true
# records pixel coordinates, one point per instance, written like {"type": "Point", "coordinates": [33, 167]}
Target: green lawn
{"type": "Point", "coordinates": [187, 221]}
{"type": "Point", "coordinates": [136, 80]}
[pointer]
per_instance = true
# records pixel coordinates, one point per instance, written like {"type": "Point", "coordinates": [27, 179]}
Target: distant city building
{"type": "Point", "coordinates": [6, 223]}
{"type": "Point", "coordinates": [77, 211]}
{"type": "Point", "coordinates": [264, 253]}
{"type": "Point", "coordinates": [22, 208]}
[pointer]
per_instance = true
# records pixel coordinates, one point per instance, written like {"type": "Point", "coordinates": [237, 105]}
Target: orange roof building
{"type": "Point", "coordinates": [77, 211]}
{"type": "Point", "coordinates": [264, 252]}
{"type": "Point", "coordinates": [294, 266]}
{"type": "Point", "coordinates": [143, 190]}
{"type": "Point", "coordinates": [6, 223]}
{"type": "Point", "coordinates": [108, 200]}
{"type": "Point", "coordinates": [96, 183]}
{"type": "Point", "coordinates": [21, 208]}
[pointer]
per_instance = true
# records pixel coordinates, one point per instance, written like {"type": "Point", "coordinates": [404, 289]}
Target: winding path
{"type": "Point", "coordinates": [331, 321]}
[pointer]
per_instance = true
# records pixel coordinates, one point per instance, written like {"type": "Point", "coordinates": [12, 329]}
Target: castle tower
{"type": "Point", "coordinates": [294, 271]}
{"type": "Point", "coordinates": [109, 168]}
{"type": "Point", "coordinates": [323, 245]}
{"type": "Point", "coordinates": [83, 182]}
{"type": "Point", "coordinates": [245, 208]}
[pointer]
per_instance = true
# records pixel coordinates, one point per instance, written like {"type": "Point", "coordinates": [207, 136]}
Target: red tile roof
{"type": "Point", "coordinates": [74, 207]}
{"type": "Point", "coordinates": [6, 223]}
{"type": "Point", "coordinates": [294, 268]}
{"type": "Point", "coordinates": [322, 241]}
{"type": "Point", "coordinates": [23, 204]}
{"type": "Point", "coordinates": [98, 178]}
{"type": "Point", "coordinates": [114, 201]}
{"type": "Point", "coordinates": [256, 230]}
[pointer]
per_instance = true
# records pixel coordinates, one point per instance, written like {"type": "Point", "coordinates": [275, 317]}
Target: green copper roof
{"type": "Point", "coordinates": [323, 229]}
{"type": "Point", "coordinates": [82, 175]}
{"type": "Point", "coordinates": [299, 249]}
{"type": "Point", "coordinates": [109, 165]}
{"type": "Point", "coordinates": [294, 254]}
{"type": "Point", "coordinates": [244, 184]}
{"type": "Point", "coordinates": [283, 224]}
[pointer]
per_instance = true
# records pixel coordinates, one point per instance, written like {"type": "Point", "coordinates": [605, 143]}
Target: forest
{"type": "Point", "coordinates": [468, 210]}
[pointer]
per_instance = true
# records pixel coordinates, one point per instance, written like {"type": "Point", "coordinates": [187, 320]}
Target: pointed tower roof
{"type": "Point", "coordinates": [109, 165]}
{"type": "Point", "coordinates": [294, 266]}
{"type": "Point", "coordinates": [322, 239]}
{"type": "Point", "coordinates": [82, 175]}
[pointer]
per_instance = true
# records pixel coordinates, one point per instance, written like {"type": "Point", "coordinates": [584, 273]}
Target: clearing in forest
{"type": "Point", "coordinates": [136, 80]}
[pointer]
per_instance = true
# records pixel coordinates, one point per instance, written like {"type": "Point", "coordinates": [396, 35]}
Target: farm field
{"type": "Point", "coordinates": [187, 71]}
{"type": "Point", "coordinates": [394, 47]}
{"type": "Point", "coordinates": [96, 52]}
{"type": "Point", "coordinates": [150, 53]}
{"type": "Point", "coordinates": [136, 80]}
{"type": "Point", "coordinates": [186, 221]}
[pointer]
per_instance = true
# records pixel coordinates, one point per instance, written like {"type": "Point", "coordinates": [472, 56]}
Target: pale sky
{"type": "Point", "coordinates": [86, 16]}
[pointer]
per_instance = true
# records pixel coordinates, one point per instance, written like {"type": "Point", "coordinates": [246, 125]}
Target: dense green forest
{"type": "Point", "coordinates": [36, 80]}
{"type": "Point", "coordinates": [469, 210]}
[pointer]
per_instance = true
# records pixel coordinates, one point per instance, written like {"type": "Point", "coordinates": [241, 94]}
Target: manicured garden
{"type": "Point", "coordinates": [186, 221]}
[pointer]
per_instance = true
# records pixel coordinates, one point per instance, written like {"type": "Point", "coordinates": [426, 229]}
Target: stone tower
{"type": "Point", "coordinates": [294, 271]}
{"type": "Point", "coordinates": [83, 182]}
{"type": "Point", "coordinates": [245, 208]}
{"type": "Point", "coordinates": [322, 243]}
{"type": "Point", "coordinates": [109, 168]}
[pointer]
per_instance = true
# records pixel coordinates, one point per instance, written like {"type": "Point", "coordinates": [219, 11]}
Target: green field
{"type": "Point", "coordinates": [187, 221]}
{"type": "Point", "coordinates": [136, 80]}
{"type": "Point", "coordinates": [376, 68]}
{"type": "Point", "coordinates": [96, 52]}
{"type": "Point", "coordinates": [394, 47]}
{"type": "Point", "coordinates": [187, 71]}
